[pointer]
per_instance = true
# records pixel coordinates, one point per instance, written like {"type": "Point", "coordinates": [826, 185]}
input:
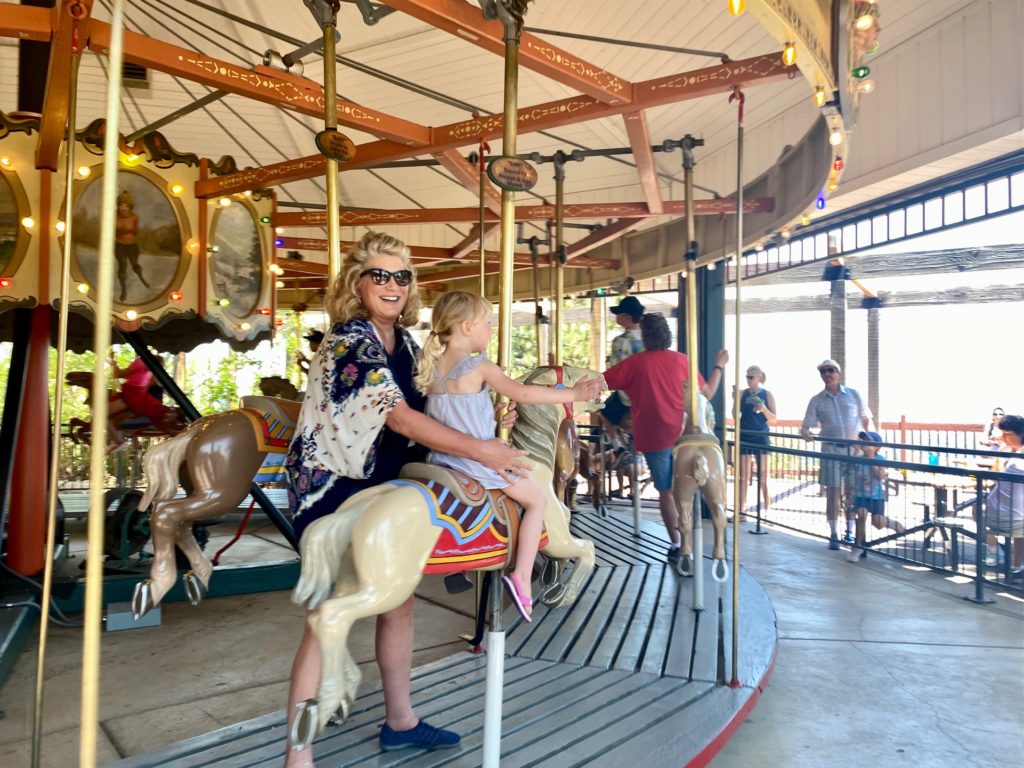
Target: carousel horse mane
{"type": "Point", "coordinates": [536, 424]}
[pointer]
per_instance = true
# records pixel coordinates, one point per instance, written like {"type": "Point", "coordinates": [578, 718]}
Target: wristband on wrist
{"type": "Point", "coordinates": [721, 368]}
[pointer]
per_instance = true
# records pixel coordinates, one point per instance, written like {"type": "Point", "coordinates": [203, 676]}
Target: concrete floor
{"type": "Point", "coordinates": [878, 665]}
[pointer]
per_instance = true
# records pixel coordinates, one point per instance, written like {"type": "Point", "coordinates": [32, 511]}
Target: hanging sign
{"type": "Point", "coordinates": [335, 145]}
{"type": "Point", "coordinates": [512, 174]}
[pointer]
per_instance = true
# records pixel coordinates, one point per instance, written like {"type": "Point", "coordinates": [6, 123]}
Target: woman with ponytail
{"type": "Point", "coordinates": [359, 423]}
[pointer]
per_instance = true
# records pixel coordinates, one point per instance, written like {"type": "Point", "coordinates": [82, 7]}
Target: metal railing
{"type": "Point", "coordinates": [933, 511]}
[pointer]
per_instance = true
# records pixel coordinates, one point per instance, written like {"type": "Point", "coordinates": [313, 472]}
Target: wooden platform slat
{"type": "Point", "coordinates": [626, 673]}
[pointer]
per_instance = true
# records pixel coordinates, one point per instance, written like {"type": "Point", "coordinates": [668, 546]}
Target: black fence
{"type": "Point", "coordinates": [931, 510]}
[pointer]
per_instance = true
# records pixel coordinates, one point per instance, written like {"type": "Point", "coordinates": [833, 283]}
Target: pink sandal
{"type": "Point", "coordinates": [522, 602]}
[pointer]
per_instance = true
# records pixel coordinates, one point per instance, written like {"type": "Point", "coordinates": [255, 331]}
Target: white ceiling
{"type": "Point", "coordinates": [257, 134]}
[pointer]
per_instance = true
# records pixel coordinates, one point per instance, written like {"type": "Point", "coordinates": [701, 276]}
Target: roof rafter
{"type": "Point", "coordinates": [467, 23]}
{"type": "Point", "coordinates": [640, 142]}
{"type": "Point", "coordinates": [469, 177]}
{"type": "Point", "coordinates": [684, 86]}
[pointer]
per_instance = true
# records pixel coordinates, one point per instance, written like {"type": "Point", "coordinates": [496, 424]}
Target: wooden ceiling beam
{"type": "Point", "coordinates": [574, 211]}
{"type": "Point", "coordinates": [260, 83]}
{"type": "Point", "coordinates": [469, 176]}
{"type": "Point", "coordinates": [469, 243]}
{"type": "Point", "coordinates": [695, 84]}
{"type": "Point", "coordinates": [575, 252]}
{"type": "Point", "coordinates": [640, 142]}
{"type": "Point", "coordinates": [25, 22]}
{"type": "Point", "coordinates": [70, 21]}
{"type": "Point", "coordinates": [465, 21]}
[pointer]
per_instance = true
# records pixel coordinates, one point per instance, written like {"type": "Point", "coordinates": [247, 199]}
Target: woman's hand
{"type": "Point", "coordinates": [507, 462]}
{"type": "Point", "coordinates": [588, 388]}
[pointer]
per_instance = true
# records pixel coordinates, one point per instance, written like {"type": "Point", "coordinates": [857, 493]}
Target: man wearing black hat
{"type": "Point", "coordinates": [314, 338]}
{"type": "Point", "coordinates": [617, 407]}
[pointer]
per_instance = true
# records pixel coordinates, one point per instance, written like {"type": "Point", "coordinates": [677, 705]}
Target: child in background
{"type": "Point", "coordinates": [868, 487]}
{"type": "Point", "coordinates": [457, 379]}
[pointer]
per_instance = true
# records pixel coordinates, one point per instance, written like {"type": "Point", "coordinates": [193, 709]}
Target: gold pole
{"type": "Point", "coordinates": [737, 473]}
{"type": "Point", "coordinates": [58, 410]}
{"type": "Point", "coordinates": [559, 297]}
{"type": "Point", "coordinates": [688, 144]}
{"type": "Point", "coordinates": [537, 312]}
{"type": "Point", "coordinates": [508, 202]}
{"type": "Point", "coordinates": [101, 341]}
{"type": "Point", "coordinates": [330, 124]}
{"type": "Point", "coordinates": [483, 215]}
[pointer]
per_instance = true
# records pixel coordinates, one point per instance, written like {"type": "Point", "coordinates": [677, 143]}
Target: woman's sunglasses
{"type": "Point", "coordinates": [381, 276]}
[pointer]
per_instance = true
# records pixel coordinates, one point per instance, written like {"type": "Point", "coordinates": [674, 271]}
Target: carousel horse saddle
{"type": "Point", "coordinates": [478, 526]}
{"type": "Point", "coordinates": [273, 421]}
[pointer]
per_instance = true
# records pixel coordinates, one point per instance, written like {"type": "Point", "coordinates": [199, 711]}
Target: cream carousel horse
{"type": "Point", "coordinates": [368, 557]}
{"type": "Point", "coordinates": [215, 460]}
{"type": "Point", "coordinates": [697, 462]}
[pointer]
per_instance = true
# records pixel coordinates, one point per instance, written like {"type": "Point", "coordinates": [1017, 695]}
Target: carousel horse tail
{"type": "Point", "coordinates": [324, 545]}
{"type": "Point", "coordinates": [160, 467]}
{"type": "Point", "coordinates": [701, 471]}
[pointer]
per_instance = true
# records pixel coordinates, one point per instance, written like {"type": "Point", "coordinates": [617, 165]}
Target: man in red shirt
{"type": "Point", "coordinates": [655, 381]}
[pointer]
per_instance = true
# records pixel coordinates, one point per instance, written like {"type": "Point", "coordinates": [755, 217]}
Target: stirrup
{"type": "Point", "coordinates": [194, 589]}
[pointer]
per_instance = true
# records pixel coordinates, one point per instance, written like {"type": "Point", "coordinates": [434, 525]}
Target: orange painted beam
{"type": "Point", "coordinates": [262, 84]}
{"type": "Point", "coordinates": [465, 21]}
{"type": "Point", "coordinates": [70, 32]}
{"type": "Point", "coordinates": [469, 176]}
{"type": "Point", "coordinates": [575, 253]}
{"type": "Point", "coordinates": [640, 142]}
{"type": "Point", "coordinates": [361, 217]}
{"type": "Point", "coordinates": [24, 22]}
{"type": "Point", "coordinates": [469, 244]}
{"type": "Point", "coordinates": [651, 93]}
{"type": "Point", "coordinates": [419, 252]}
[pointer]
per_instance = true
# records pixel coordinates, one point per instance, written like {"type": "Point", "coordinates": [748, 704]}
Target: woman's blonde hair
{"type": "Point", "coordinates": [343, 302]}
{"type": "Point", "coordinates": [756, 370]}
{"type": "Point", "coordinates": [451, 309]}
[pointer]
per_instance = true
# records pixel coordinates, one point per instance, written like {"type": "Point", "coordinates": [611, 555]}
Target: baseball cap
{"type": "Point", "coordinates": [630, 305]}
{"type": "Point", "coordinates": [315, 336]}
{"type": "Point", "coordinates": [829, 364]}
{"type": "Point", "coordinates": [873, 437]}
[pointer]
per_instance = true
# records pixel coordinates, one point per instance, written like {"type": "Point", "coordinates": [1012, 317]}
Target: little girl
{"type": "Point", "coordinates": [457, 379]}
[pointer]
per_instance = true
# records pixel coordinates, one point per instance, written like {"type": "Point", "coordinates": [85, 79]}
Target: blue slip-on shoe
{"type": "Point", "coordinates": [423, 736]}
{"type": "Point", "coordinates": [833, 542]}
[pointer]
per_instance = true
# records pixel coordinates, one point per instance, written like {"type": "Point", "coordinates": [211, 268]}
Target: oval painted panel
{"type": "Point", "coordinates": [147, 238]}
{"type": "Point", "coordinates": [236, 267]}
{"type": "Point", "coordinates": [10, 226]}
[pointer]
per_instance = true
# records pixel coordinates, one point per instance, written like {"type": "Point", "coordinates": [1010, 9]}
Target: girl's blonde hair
{"type": "Point", "coordinates": [343, 302]}
{"type": "Point", "coordinates": [451, 309]}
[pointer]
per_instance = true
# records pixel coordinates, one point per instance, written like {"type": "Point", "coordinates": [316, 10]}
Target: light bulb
{"type": "Point", "coordinates": [819, 96]}
{"type": "Point", "coordinates": [864, 22]}
{"type": "Point", "coordinates": [736, 7]}
{"type": "Point", "coordinates": [83, 288]}
{"type": "Point", "coordinates": [131, 314]}
{"type": "Point", "coordinates": [5, 162]}
{"type": "Point", "coordinates": [835, 138]}
{"type": "Point", "coordinates": [279, 284]}
{"type": "Point", "coordinates": [711, 267]}
{"type": "Point", "coordinates": [60, 226]}
{"type": "Point", "coordinates": [28, 222]}
{"type": "Point", "coordinates": [224, 302]}
{"type": "Point", "coordinates": [784, 232]}
{"type": "Point", "coordinates": [175, 296]}
{"type": "Point", "coordinates": [84, 171]}
{"type": "Point", "coordinates": [224, 202]}
{"type": "Point", "coordinates": [177, 190]}
{"type": "Point", "coordinates": [279, 230]}
{"type": "Point", "coordinates": [866, 86]}
{"type": "Point", "coordinates": [245, 326]}
{"type": "Point", "coordinates": [789, 54]}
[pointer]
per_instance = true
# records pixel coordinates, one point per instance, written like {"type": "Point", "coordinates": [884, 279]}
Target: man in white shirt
{"type": "Point", "coordinates": [841, 413]}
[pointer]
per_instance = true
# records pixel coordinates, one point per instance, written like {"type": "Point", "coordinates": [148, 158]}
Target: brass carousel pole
{"type": "Point", "coordinates": [101, 341]}
{"type": "Point", "coordinates": [558, 320]}
{"type": "Point", "coordinates": [739, 387]}
{"type": "Point", "coordinates": [693, 406]}
{"type": "Point", "coordinates": [483, 219]}
{"type": "Point", "coordinates": [58, 405]}
{"type": "Point", "coordinates": [328, 18]}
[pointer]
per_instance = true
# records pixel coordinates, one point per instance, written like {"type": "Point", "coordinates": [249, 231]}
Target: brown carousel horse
{"type": "Point", "coordinates": [216, 458]}
{"type": "Point", "coordinates": [697, 462]}
{"type": "Point", "coordinates": [122, 418]}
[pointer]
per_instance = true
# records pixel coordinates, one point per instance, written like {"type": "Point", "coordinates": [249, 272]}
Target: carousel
{"type": "Point", "coordinates": [224, 190]}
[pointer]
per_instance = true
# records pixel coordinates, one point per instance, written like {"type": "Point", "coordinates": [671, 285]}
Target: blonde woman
{"type": "Point", "coordinates": [757, 412]}
{"type": "Point", "coordinates": [359, 418]}
{"type": "Point", "coordinates": [457, 378]}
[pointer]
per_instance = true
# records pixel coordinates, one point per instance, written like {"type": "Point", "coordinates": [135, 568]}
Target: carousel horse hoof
{"type": "Point", "coordinates": [340, 714]}
{"type": "Point", "coordinates": [720, 571]}
{"type": "Point", "coordinates": [551, 573]}
{"type": "Point", "coordinates": [195, 590]}
{"type": "Point", "coordinates": [142, 599]}
{"type": "Point", "coordinates": [554, 596]}
{"type": "Point", "coordinates": [303, 728]}
{"type": "Point", "coordinates": [684, 566]}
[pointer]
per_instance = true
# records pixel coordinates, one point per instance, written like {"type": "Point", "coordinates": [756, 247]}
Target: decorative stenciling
{"type": "Point", "coordinates": [598, 77]}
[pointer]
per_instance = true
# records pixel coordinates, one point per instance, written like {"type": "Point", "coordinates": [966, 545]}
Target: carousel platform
{"type": "Point", "coordinates": [630, 670]}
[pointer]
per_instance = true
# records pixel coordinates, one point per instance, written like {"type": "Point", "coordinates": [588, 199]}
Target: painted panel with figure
{"type": "Point", "coordinates": [147, 238]}
{"type": "Point", "coordinates": [237, 262]}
